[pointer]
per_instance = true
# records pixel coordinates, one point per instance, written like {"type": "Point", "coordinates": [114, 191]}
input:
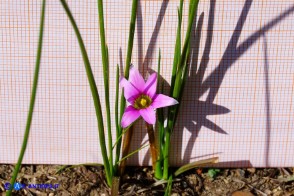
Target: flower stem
{"type": "Point", "coordinates": [125, 149]}
{"type": "Point", "coordinates": [153, 148]}
{"type": "Point", "coordinates": [32, 101]}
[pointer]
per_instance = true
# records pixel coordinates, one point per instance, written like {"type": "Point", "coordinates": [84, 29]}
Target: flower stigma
{"type": "Point", "coordinates": [142, 102]}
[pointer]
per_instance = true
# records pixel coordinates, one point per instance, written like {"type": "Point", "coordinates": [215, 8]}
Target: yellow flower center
{"type": "Point", "coordinates": [143, 101]}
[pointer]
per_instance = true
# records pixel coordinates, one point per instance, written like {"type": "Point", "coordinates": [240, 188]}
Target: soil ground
{"type": "Point", "coordinates": [90, 180]}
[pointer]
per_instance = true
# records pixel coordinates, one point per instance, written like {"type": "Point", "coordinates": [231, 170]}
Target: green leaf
{"type": "Point", "coordinates": [168, 189]}
{"type": "Point", "coordinates": [183, 83]}
{"type": "Point", "coordinates": [119, 137]}
{"type": "Point", "coordinates": [177, 87]}
{"type": "Point", "coordinates": [32, 100]}
{"type": "Point", "coordinates": [195, 164]}
{"type": "Point", "coordinates": [131, 37]}
{"type": "Point", "coordinates": [176, 83]}
{"type": "Point", "coordinates": [160, 125]}
{"type": "Point", "coordinates": [94, 92]}
{"type": "Point", "coordinates": [105, 62]}
{"type": "Point", "coordinates": [128, 62]}
{"type": "Point", "coordinates": [116, 104]}
{"type": "Point", "coordinates": [132, 153]}
{"type": "Point", "coordinates": [177, 52]}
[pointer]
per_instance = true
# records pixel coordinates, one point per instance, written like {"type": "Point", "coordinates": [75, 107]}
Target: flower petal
{"type": "Point", "coordinates": [130, 91]}
{"type": "Point", "coordinates": [161, 100]}
{"type": "Point", "coordinates": [129, 116]}
{"type": "Point", "coordinates": [150, 86]}
{"type": "Point", "coordinates": [149, 115]}
{"type": "Point", "coordinates": [122, 82]}
{"type": "Point", "coordinates": [136, 79]}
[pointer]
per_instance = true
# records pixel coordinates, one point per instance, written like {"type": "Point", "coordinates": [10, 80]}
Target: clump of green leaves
{"type": "Point", "coordinates": [178, 79]}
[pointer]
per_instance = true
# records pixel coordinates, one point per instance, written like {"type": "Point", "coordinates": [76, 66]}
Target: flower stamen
{"type": "Point", "coordinates": [142, 102]}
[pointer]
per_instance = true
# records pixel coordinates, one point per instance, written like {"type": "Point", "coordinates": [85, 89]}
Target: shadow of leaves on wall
{"type": "Point", "coordinates": [196, 86]}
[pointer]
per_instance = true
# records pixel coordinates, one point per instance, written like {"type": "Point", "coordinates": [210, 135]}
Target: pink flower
{"type": "Point", "coordinates": [142, 98]}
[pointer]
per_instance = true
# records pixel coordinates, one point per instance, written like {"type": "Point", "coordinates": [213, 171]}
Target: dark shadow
{"type": "Point", "coordinates": [152, 43]}
{"type": "Point", "coordinates": [267, 101]}
{"type": "Point", "coordinates": [228, 58]}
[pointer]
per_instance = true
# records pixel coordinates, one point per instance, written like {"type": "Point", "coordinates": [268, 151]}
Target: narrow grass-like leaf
{"type": "Point", "coordinates": [105, 62]}
{"type": "Point", "coordinates": [195, 164]}
{"type": "Point", "coordinates": [132, 153]}
{"type": "Point", "coordinates": [179, 76]}
{"type": "Point", "coordinates": [32, 100]}
{"type": "Point", "coordinates": [160, 111]}
{"type": "Point", "coordinates": [160, 125]}
{"type": "Point", "coordinates": [166, 153]}
{"type": "Point", "coordinates": [160, 115]}
{"type": "Point", "coordinates": [116, 99]}
{"type": "Point", "coordinates": [117, 124]}
{"type": "Point", "coordinates": [177, 87]}
{"type": "Point", "coordinates": [119, 138]}
{"type": "Point", "coordinates": [94, 92]}
{"type": "Point", "coordinates": [106, 85]}
{"type": "Point", "coordinates": [194, 7]}
{"type": "Point", "coordinates": [177, 52]}
{"type": "Point", "coordinates": [131, 37]}
{"type": "Point", "coordinates": [168, 189]}
{"type": "Point", "coordinates": [184, 79]}
{"type": "Point", "coordinates": [182, 73]}
{"type": "Point", "coordinates": [158, 68]}
{"type": "Point", "coordinates": [129, 50]}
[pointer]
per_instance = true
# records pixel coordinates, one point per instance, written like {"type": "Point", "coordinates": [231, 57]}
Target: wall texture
{"type": "Point", "coordinates": [238, 102]}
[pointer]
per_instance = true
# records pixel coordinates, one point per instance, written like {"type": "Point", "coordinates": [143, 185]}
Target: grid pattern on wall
{"type": "Point", "coordinates": [238, 100]}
